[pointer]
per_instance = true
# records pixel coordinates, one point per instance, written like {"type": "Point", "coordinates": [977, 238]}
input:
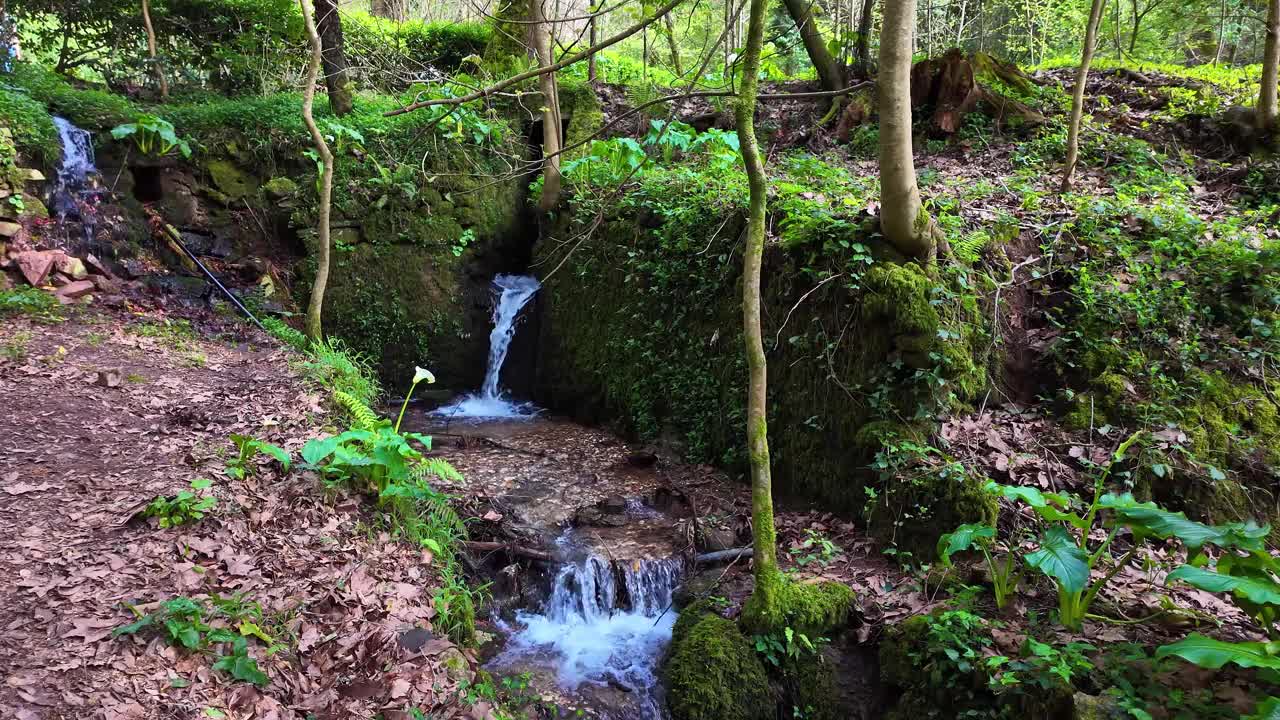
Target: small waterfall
{"type": "Point", "coordinates": [512, 293]}
{"type": "Point", "coordinates": [74, 194]}
{"type": "Point", "coordinates": [606, 622]}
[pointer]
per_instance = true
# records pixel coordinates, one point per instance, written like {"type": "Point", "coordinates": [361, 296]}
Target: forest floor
{"type": "Point", "coordinates": [79, 461]}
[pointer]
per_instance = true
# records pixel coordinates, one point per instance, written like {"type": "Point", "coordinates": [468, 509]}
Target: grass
{"type": "Point", "coordinates": [15, 348]}
{"type": "Point", "coordinates": [31, 303]}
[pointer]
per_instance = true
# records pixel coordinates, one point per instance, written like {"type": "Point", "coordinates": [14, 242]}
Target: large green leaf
{"type": "Point", "coordinates": [316, 450]}
{"type": "Point", "coordinates": [1149, 519]}
{"type": "Point", "coordinates": [1061, 559]}
{"type": "Point", "coordinates": [1257, 590]}
{"type": "Point", "coordinates": [274, 451]}
{"type": "Point", "coordinates": [1213, 654]}
{"type": "Point", "coordinates": [1266, 709]}
{"type": "Point", "coordinates": [963, 538]}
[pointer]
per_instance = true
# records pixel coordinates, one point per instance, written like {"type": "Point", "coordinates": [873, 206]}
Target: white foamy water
{"type": "Point", "coordinates": [512, 292]}
{"type": "Point", "coordinates": [599, 630]}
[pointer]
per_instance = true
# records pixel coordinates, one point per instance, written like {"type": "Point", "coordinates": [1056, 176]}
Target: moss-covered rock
{"type": "Point", "coordinates": [713, 673]}
{"type": "Point", "coordinates": [814, 609]}
{"type": "Point", "coordinates": [230, 180]}
{"type": "Point", "coordinates": [810, 685]}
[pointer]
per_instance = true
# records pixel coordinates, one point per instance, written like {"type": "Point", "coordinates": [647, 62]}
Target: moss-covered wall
{"type": "Point", "coordinates": [642, 323]}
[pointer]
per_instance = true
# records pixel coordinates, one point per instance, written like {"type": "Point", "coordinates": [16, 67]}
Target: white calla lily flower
{"type": "Point", "coordinates": [423, 374]}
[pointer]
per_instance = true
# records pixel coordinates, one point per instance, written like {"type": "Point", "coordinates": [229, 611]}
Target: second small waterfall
{"type": "Point", "coordinates": [512, 293]}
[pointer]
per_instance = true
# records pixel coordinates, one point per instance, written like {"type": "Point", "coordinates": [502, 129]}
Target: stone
{"type": "Point", "coordinates": [108, 378]}
{"type": "Point", "coordinates": [34, 265]}
{"type": "Point", "coordinates": [456, 666]}
{"type": "Point", "coordinates": [346, 236]}
{"type": "Point", "coordinates": [106, 284]}
{"type": "Point", "coordinates": [231, 180]}
{"type": "Point", "coordinates": [613, 505]}
{"type": "Point", "coordinates": [70, 266]}
{"type": "Point", "coordinates": [5, 283]}
{"type": "Point", "coordinates": [33, 208]}
{"type": "Point", "coordinates": [9, 229]}
{"type": "Point", "coordinates": [1095, 707]}
{"type": "Point", "coordinates": [33, 175]}
{"type": "Point", "coordinates": [74, 290]}
{"type": "Point", "coordinates": [98, 266]}
{"type": "Point", "coordinates": [413, 640]}
{"type": "Point", "coordinates": [280, 188]}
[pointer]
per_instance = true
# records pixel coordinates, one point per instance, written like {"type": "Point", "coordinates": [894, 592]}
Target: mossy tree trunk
{"type": "Point", "coordinates": [337, 76]}
{"type": "Point", "coordinates": [551, 126]}
{"type": "Point", "coordinates": [829, 73]}
{"type": "Point", "coordinates": [315, 307]}
{"type": "Point", "coordinates": [903, 219]}
{"type": "Point", "coordinates": [1077, 94]}
{"type": "Point", "coordinates": [161, 81]}
{"type": "Point", "coordinates": [1267, 113]}
{"type": "Point", "coordinates": [670, 27]}
{"type": "Point", "coordinates": [764, 607]}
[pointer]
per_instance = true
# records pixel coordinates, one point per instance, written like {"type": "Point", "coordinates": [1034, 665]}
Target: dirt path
{"type": "Point", "coordinates": [78, 460]}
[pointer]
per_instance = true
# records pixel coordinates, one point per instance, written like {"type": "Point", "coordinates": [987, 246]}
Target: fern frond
{"type": "Point", "coordinates": [364, 418]}
{"type": "Point", "coordinates": [436, 468]}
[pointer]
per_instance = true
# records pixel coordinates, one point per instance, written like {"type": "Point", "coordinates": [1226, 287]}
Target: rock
{"type": "Point", "coordinates": [413, 640]}
{"type": "Point", "coordinates": [202, 244]}
{"type": "Point", "coordinates": [280, 188]}
{"type": "Point", "coordinates": [108, 378]}
{"type": "Point", "coordinates": [643, 458]}
{"type": "Point", "coordinates": [231, 180]}
{"type": "Point", "coordinates": [593, 516]}
{"type": "Point", "coordinates": [106, 284]}
{"type": "Point", "coordinates": [98, 266]}
{"type": "Point", "coordinates": [713, 539]}
{"type": "Point", "coordinates": [60, 280]}
{"type": "Point", "coordinates": [133, 269]}
{"type": "Point", "coordinates": [5, 284]}
{"type": "Point", "coordinates": [34, 264]}
{"type": "Point", "coordinates": [32, 207]}
{"type": "Point", "coordinates": [70, 266]}
{"type": "Point", "coordinates": [346, 236]}
{"type": "Point", "coordinates": [456, 666]}
{"type": "Point", "coordinates": [74, 290]}
{"type": "Point", "coordinates": [613, 505]}
{"type": "Point", "coordinates": [32, 175]}
{"type": "Point", "coordinates": [1095, 707]}
{"type": "Point", "coordinates": [9, 229]}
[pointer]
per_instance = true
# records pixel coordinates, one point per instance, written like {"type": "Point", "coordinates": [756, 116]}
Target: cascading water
{"type": "Point", "coordinates": [512, 293]}
{"type": "Point", "coordinates": [606, 622]}
{"type": "Point", "coordinates": [73, 193]}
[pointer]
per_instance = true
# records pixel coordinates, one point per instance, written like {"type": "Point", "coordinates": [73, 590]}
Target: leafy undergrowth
{"type": "Point", "coordinates": [255, 592]}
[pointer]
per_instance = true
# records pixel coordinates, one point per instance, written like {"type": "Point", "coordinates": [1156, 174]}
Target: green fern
{"type": "Point", "coordinates": [361, 415]}
{"type": "Point", "coordinates": [642, 92]}
{"type": "Point", "coordinates": [969, 248]}
{"type": "Point", "coordinates": [437, 468]}
{"type": "Point", "coordinates": [285, 334]}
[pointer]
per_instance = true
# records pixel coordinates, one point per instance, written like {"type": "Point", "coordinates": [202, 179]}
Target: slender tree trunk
{"type": "Point", "coordinates": [829, 74]}
{"type": "Point", "coordinates": [1077, 94]}
{"type": "Point", "coordinates": [1137, 22]}
{"type": "Point", "coordinates": [337, 77]}
{"type": "Point", "coordinates": [550, 108]}
{"type": "Point", "coordinates": [315, 307]}
{"type": "Point", "coordinates": [1222, 34]}
{"type": "Point", "coordinates": [764, 608]}
{"type": "Point", "coordinates": [397, 10]}
{"type": "Point", "coordinates": [151, 51]}
{"type": "Point", "coordinates": [903, 219]}
{"type": "Point", "coordinates": [1267, 119]}
{"type": "Point", "coordinates": [591, 61]}
{"type": "Point", "coordinates": [671, 43]}
{"type": "Point", "coordinates": [862, 53]}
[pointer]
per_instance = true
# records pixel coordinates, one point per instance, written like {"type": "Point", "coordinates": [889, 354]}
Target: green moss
{"type": "Point", "coordinates": [713, 673]}
{"type": "Point", "coordinates": [230, 180]}
{"type": "Point", "coordinates": [811, 687]}
{"type": "Point", "coordinates": [89, 108]}
{"type": "Point", "coordinates": [279, 188]}
{"type": "Point", "coordinates": [30, 126]}
{"type": "Point", "coordinates": [581, 107]}
{"type": "Point", "coordinates": [912, 513]}
{"type": "Point", "coordinates": [897, 666]}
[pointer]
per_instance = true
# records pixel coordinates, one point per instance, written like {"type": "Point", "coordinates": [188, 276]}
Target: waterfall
{"type": "Point", "coordinates": [512, 293]}
{"type": "Point", "coordinates": [607, 622]}
{"type": "Point", "coordinates": [73, 191]}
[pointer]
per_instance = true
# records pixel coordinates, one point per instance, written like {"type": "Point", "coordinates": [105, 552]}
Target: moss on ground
{"type": "Point", "coordinates": [713, 673]}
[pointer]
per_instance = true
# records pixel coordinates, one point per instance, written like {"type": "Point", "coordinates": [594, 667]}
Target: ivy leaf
{"type": "Point", "coordinates": [1262, 592]}
{"type": "Point", "coordinates": [1061, 559]}
{"type": "Point", "coordinates": [1213, 654]}
{"type": "Point", "coordinates": [963, 538]}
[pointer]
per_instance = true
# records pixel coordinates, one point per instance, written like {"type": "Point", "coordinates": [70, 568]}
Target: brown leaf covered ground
{"type": "Point", "coordinates": [79, 460]}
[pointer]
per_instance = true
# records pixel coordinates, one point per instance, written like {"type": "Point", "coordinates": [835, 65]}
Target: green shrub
{"type": "Point", "coordinates": [34, 134]}
{"type": "Point", "coordinates": [30, 302]}
{"type": "Point", "coordinates": [333, 367]}
{"type": "Point", "coordinates": [90, 109]}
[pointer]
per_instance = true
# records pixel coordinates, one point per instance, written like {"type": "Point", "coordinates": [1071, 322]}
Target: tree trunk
{"type": "Point", "coordinates": [764, 608]}
{"type": "Point", "coordinates": [315, 307]}
{"type": "Point", "coordinates": [903, 219]}
{"type": "Point", "coordinates": [1077, 94]}
{"type": "Point", "coordinates": [337, 78]}
{"type": "Point", "coordinates": [829, 74]}
{"type": "Point", "coordinates": [397, 10]}
{"type": "Point", "coordinates": [591, 61]}
{"type": "Point", "coordinates": [1137, 22]}
{"type": "Point", "coordinates": [671, 43]}
{"type": "Point", "coordinates": [151, 51]}
{"type": "Point", "coordinates": [1267, 119]}
{"type": "Point", "coordinates": [550, 108]}
{"type": "Point", "coordinates": [862, 54]}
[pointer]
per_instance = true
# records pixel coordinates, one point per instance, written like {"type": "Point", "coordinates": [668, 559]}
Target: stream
{"type": "Point", "coordinates": [591, 625]}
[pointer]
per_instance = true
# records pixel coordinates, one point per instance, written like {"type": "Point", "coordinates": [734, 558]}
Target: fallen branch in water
{"type": "Point", "coordinates": [722, 555]}
{"type": "Point", "coordinates": [509, 548]}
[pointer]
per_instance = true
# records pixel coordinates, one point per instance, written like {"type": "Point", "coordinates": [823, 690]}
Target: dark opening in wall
{"type": "Point", "coordinates": [535, 136]}
{"type": "Point", "coordinates": [146, 184]}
